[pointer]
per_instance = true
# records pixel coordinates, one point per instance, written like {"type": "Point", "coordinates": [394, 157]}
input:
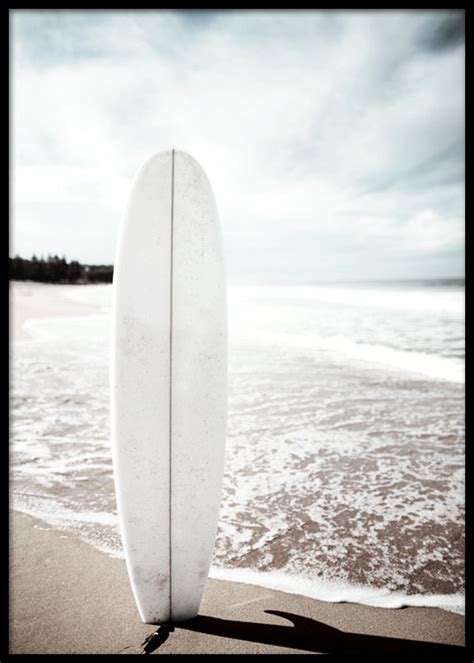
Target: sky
{"type": "Point", "coordinates": [333, 140]}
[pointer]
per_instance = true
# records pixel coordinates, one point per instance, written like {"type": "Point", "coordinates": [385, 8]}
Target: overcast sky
{"type": "Point", "coordinates": [334, 141]}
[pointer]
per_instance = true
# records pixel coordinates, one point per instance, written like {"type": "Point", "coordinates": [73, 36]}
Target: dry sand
{"type": "Point", "coordinates": [66, 597]}
{"type": "Point", "coordinates": [40, 300]}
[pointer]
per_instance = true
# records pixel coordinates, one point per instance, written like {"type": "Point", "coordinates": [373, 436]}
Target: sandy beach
{"type": "Point", "coordinates": [39, 300]}
{"type": "Point", "coordinates": [67, 596]}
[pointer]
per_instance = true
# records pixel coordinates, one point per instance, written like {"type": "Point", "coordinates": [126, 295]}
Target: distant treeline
{"type": "Point", "coordinates": [58, 270]}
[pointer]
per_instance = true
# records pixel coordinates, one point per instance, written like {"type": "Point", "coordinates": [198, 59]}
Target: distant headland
{"type": "Point", "coordinates": [57, 270]}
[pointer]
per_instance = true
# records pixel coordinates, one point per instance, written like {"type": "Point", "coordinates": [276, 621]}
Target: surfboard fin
{"type": "Point", "coordinates": [157, 638]}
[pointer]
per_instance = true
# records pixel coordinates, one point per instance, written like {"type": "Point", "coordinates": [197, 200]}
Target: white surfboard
{"type": "Point", "coordinates": [169, 384]}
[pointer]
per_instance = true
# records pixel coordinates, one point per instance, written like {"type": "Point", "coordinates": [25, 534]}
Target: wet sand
{"type": "Point", "coordinates": [66, 597]}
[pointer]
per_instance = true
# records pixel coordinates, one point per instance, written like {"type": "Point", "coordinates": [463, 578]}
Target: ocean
{"type": "Point", "coordinates": [344, 474]}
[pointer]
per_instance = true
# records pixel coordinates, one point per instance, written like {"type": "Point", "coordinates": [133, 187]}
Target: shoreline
{"type": "Point", "coordinates": [335, 591]}
{"type": "Point", "coordinates": [58, 605]}
{"type": "Point", "coordinates": [61, 583]}
{"type": "Point", "coordinates": [327, 591]}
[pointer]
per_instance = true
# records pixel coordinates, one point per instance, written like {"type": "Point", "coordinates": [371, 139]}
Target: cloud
{"type": "Point", "coordinates": [442, 167]}
{"type": "Point", "coordinates": [333, 126]}
{"type": "Point", "coordinates": [446, 32]}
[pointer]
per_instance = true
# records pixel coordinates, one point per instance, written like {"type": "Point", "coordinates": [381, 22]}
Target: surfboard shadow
{"type": "Point", "coordinates": [310, 635]}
